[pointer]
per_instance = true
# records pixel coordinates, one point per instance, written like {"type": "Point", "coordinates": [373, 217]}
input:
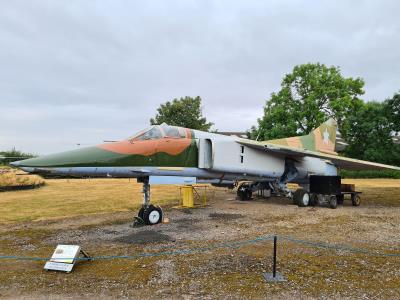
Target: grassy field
{"type": "Point", "coordinates": [378, 192]}
{"type": "Point", "coordinates": [64, 198]}
{"type": "Point", "coordinates": [68, 198]}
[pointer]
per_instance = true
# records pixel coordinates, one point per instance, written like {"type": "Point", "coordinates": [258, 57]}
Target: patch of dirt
{"type": "Point", "coordinates": [186, 224]}
{"type": "Point", "coordinates": [186, 211]}
{"type": "Point", "coordinates": [225, 216]}
{"type": "Point", "coordinates": [166, 272]}
{"type": "Point", "coordinates": [144, 237]}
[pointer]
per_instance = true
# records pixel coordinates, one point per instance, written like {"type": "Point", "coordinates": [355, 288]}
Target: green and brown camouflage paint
{"type": "Point", "coordinates": [163, 152]}
{"type": "Point", "coordinates": [321, 139]}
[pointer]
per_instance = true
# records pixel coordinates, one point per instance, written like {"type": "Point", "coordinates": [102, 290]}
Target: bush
{"type": "Point", "coordinates": [9, 177]}
{"type": "Point", "coordinates": [13, 155]}
{"type": "Point", "coordinates": [370, 174]}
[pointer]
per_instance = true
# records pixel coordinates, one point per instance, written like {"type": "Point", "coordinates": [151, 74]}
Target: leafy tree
{"type": "Point", "coordinates": [185, 112]}
{"type": "Point", "coordinates": [392, 110]}
{"type": "Point", "coordinates": [371, 132]}
{"type": "Point", "coordinates": [309, 95]}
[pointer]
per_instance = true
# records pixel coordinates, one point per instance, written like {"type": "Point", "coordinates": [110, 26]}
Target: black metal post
{"type": "Point", "coordinates": [274, 262]}
{"type": "Point", "coordinates": [274, 276]}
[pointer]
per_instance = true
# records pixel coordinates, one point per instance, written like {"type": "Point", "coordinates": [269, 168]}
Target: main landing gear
{"type": "Point", "coordinates": [149, 214]}
{"type": "Point", "coordinates": [245, 191]}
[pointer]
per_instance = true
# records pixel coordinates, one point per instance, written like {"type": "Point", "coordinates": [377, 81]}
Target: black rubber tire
{"type": "Point", "coordinates": [141, 213]}
{"type": "Point", "coordinates": [241, 195]}
{"type": "Point", "coordinates": [314, 200]}
{"type": "Point", "coordinates": [356, 200]}
{"type": "Point", "coordinates": [295, 197]}
{"type": "Point", "coordinates": [299, 195]}
{"type": "Point", "coordinates": [244, 193]}
{"type": "Point", "coordinates": [249, 194]}
{"type": "Point", "coordinates": [148, 217]}
{"type": "Point", "coordinates": [333, 202]}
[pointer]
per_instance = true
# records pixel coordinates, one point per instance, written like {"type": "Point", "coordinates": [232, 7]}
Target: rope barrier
{"type": "Point", "coordinates": [338, 247]}
{"type": "Point", "coordinates": [232, 245]}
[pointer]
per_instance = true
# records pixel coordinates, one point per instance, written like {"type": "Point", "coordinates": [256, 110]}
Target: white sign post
{"type": "Point", "coordinates": [64, 258]}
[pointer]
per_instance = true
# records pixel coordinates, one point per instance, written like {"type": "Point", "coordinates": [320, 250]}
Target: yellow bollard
{"type": "Point", "coordinates": [187, 196]}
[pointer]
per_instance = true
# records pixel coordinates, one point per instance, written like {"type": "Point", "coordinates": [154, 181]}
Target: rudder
{"type": "Point", "coordinates": [325, 137]}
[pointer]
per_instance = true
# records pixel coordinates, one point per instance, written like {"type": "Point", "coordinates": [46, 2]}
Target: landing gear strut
{"type": "Point", "coordinates": [288, 175]}
{"type": "Point", "coordinates": [149, 213]}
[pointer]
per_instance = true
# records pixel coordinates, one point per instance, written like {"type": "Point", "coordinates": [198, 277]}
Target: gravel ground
{"type": "Point", "coordinates": [312, 273]}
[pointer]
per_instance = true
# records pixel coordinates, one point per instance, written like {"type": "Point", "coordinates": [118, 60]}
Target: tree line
{"type": "Point", "coordinates": [13, 155]}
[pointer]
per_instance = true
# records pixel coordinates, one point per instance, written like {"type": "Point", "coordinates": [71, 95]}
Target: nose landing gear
{"type": "Point", "coordinates": [149, 214]}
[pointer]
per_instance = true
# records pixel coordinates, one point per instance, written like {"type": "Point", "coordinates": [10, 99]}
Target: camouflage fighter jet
{"type": "Point", "coordinates": [164, 151]}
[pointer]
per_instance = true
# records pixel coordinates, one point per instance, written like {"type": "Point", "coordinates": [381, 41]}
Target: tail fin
{"type": "Point", "coordinates": [325, 137]}
{"type": "Point", "coordinates": [322, 139]}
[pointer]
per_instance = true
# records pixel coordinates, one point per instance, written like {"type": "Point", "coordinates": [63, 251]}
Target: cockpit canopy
{"type": "Point", "coordinates": [160, 131]}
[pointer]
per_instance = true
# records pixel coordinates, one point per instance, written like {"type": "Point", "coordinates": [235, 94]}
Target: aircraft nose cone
{"type": "Point", "coordinates": [90, 156]}
{"type": "Point", "coordinates": [15, 163]}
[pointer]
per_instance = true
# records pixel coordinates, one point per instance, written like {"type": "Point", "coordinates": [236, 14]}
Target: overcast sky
{"type": "Point", "coordinates": [87, 71]}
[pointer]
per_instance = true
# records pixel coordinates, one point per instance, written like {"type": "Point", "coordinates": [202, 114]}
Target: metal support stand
{"type": "Point", "coordinates": [274, 276]}
{"type": "Point", "coordinates": [86, 255]}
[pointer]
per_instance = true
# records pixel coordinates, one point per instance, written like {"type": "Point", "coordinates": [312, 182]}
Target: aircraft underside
{"type": "Point", "coordinates": [136, 172]}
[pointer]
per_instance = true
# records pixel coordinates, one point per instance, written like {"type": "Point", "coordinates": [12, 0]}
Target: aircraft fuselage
{"type": "Point", "coordinates": [174, 151]}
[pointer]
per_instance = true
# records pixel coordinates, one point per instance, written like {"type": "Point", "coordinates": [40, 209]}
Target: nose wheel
{"type": "Point", "coordinates": [150, 214]}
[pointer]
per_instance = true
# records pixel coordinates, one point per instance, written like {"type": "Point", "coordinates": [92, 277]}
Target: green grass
{"type": "Point", "coordinates": [370, 174]}
{"type": "Point", "coordinates": [76, 197]}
